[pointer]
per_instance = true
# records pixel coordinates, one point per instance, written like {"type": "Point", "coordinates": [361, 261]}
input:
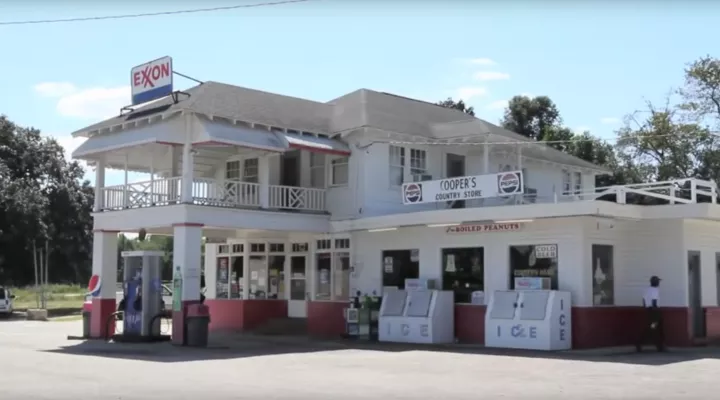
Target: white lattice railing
{"type": "Point", "coordinates": [213, 193]}
{"type": "Point", "coordinates": [679, 191]}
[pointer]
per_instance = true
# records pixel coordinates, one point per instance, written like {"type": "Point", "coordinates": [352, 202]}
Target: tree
{"type": "Point", "coordinates": [702, 88]}
{"type": "Point", "coordinates": [535, 118]}
{"type": "Point", "coordinates": [42, 198]}
{"type": "Point", "coordinates": [457, 105]}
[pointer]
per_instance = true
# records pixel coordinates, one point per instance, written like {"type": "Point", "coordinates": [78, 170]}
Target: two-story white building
{"type": "Point", "coordinates": [303, 206]}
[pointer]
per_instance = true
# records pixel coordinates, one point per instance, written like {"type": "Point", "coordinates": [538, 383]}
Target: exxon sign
{"type": "Point", "coordinates": [151, 80]}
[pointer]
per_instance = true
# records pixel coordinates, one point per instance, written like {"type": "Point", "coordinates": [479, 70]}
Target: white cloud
{"type": "Point", "coordinates": [55, 89]}
{"type": "Point", "coordinates": [470, 92]}
{"type": "Point", "coordinates": [609, 120]}
{"type": "Point", "coordinates": [497, 105]}
{"type": "Point", "coordinates": [491, 76]}
{"type": "Point", "coordinates": [530, 95]}
{"type": "Point", "coordinates": [88, 103]}
{"type": "Point", "coordinates": [481, 61]}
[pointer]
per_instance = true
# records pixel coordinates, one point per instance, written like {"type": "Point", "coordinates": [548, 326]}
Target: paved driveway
{"type": "Point", "coordinates": [40, 363]}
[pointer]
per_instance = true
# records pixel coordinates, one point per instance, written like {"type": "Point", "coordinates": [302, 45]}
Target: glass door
{"type": "Point", "coordinates": [298, 293]}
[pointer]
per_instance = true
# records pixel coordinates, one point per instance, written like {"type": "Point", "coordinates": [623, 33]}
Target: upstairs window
{"type": "Point", "coordinates": [566, 182]}
{"type": "Point", "coordinates": [397, 165]}
{"type": "Point", "coordinates": [418, 162]}
{"type": "Point", "coordinates": [232, 170]}
{"type": "Point", "coordinates": [339, 171]}
{"type": "Point", "coordinates": [578, 182]}
{"type": "Point", "coordinates": [250, 170]}
{"type": "Point", "coordinates": [317, 170]}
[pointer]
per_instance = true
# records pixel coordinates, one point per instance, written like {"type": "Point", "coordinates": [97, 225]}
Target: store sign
{"type": "Point", "coordinates": [546, 251]}
{"type": "Point", "coordinates": [463, 188]}
{"type": "Point", "coordinates": [482, 228]}
{"type": "Point", "coordinates": [151, 80]}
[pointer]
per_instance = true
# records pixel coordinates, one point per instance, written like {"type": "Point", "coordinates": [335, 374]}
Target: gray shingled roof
{"type": "Point", "coordinates": [362, 108]}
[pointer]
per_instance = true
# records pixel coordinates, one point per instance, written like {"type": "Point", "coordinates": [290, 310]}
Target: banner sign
{"type": "Point", "coordinates": [463, 188]}
{"type": "Point", "coordinates": [482, 228]}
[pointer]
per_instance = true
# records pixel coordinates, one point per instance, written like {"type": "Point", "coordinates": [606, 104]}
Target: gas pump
{"type": "Point", "coordinates": [142, 291]}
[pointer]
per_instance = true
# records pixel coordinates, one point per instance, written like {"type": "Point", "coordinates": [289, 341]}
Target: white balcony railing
{"type": "Point", "coordinates": [210, 192]}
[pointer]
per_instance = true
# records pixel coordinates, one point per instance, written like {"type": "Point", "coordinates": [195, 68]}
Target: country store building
{"type": "Point", "coordinates": [307, 203]}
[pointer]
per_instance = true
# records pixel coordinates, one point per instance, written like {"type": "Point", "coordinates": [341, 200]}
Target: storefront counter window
{"type": "Point", "coordinates": [463, 272]}
{"type": "Point", "coordinates": [236, 277]}
{"type": "Point", "coordinates": [332, 269]}
{"type": "Point", "coordinates": [257, 267]}
{"type": "Point", "coordinates": [324, 266]}
{"type": "Point", "coordinates": [534, 267]}
{"type": "Point", "coordinates": [399, 265]}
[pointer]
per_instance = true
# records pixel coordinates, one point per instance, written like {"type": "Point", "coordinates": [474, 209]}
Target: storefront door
{"type": "Point", "coordinates": [297, 288]}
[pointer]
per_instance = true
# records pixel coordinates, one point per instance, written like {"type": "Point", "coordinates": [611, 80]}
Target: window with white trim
{"type": "Point", "coordinates": [566, 182]}
{"type": "Point", "coordinates": [332, 266]}
{"type": "Point", "coordinates": [397, 165]}
{"type": "Point", "coordinates": [317, 170]}
{"type": "Point", "coordinates": [339, 171]}
{"type": "Point", "coordinates": [232, 170]}
{"type": "Point", "coordinates": [578, 182]}
{"type": "Point", "coordinates": [418, 162]}
{"type": "Point", "coordinates": [250, 170]}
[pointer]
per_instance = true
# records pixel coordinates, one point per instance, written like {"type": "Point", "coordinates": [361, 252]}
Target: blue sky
{"type": "Point", "coordinates": [597, 60]}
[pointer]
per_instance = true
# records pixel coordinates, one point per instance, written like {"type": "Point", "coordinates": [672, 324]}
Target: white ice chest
{"type": "Point", "coordinates": [529, 319]}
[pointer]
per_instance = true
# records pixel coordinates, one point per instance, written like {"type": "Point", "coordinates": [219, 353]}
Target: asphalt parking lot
{"type": "Point", "coordinates": [40, 363]}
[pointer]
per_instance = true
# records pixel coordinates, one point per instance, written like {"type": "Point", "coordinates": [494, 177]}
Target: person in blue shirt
{"type": "Point", "coordinates": [654, 329]}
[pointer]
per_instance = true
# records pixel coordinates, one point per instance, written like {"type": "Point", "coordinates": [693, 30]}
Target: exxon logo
{"type": "Point", "coordinates": [150, 74]}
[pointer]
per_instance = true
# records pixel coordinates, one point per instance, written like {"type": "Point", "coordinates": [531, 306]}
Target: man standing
{"type": "Point", "coordinates": [654, 329]}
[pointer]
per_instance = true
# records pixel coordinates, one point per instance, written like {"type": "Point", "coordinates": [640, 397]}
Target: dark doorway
{"type": "Point", "coordinates": [291, 169]}
{"type": "Point", "coordinates": [695, 294]}
{"type": "Point", "coordinates": [455, 167]}
{"type": "Point", "coordinates": [399, 265]}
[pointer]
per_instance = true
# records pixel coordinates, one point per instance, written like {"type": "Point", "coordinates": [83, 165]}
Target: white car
{"type": "Point", "coordinates": [6, 302]}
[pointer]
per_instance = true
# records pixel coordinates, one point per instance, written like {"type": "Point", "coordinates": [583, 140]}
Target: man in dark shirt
{"type": "Point", "coordinates": [653, 329]}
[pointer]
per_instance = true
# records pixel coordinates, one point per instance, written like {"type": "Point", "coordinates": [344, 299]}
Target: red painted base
{"type": "Point", "coordinates": [712, 323]}
{"type": "Point", "coordinates": [178, 323]}
{"type": "Point", "coordinates": [326, 318]}
{"type": "Point", "coordinates": [240, 315]}
{"type": "Point", "coordinates": [470, 323]}
{"type": "Point", "coordinates": [102, 309]}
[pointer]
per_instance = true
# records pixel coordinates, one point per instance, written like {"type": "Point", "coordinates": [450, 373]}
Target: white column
{"type": "Point", "coordinates": [175, 158]}
{"type": "Point", "coordinates": [187, 174]}
{"type": "Point", "coordinates": [99, 185]}
{"type": "Point", "coordinates": [246, 271]}
{"type": "Point", "coordinates": [187, 257]}
{"type": "Point", "coordinates": [486, 157]}
{"type": "Point", "coordinates": [105, 262]}
{"type": "Point", "coordinates": [126, 199]}
{"type": "Point", "coordinates": [264, 180]}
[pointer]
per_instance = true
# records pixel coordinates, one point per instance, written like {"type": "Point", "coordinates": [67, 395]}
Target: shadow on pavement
{"type": "Point", "coordinates": [245, 346]}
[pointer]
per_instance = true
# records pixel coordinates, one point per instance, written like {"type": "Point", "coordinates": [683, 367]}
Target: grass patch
{"type": "Point", "coordinates": [59, 297]}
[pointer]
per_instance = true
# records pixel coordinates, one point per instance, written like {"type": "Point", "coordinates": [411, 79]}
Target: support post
{"type": "Point", "coordinates": [186, 183]}
{"type": "Point", "coordinates": [103, 284]}
{"type": "Point", "coordinates": [264, 180]}
{"type": "Point", "coordinates": [186, 274]}
{"type": "Point", "coordinates": [99, 186]}
{"type": "Point", "coordinates": [486, 157]}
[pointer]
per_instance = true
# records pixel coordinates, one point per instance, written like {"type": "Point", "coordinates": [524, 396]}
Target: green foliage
{"type": "Point", "coordinates": [42, 198]}
{"type": "Point", "coordinates": [457, 105]}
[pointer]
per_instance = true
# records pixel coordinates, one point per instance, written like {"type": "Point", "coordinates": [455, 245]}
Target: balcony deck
{"type": "Point", "coordinates": [209, 192]}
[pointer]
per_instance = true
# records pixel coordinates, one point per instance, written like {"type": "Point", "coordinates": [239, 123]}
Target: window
{"type": "Point", "coordinates": [257, 267]}
{"type": "Point", "coordinates": [324, 266]}
{"type": "Point", "coordinates": [341, 276]}
{"type": "Point", "coordinates": [534, 267]}
{"type": "Point", "coordinates": [342, 243]}
{"type": "Point", "coordinates": [237, 248]}
{"type": "Point", "coordinates": [463, 272]}
{"type": "Point", "coordinates": [317, 170]}
{"type": "Point", "coordinates": [566, 182]}
{"type": "Point", "coordinates": [397, 165]}
{"type": "Point", "coordinates": [418, 162]}
{"type": "Point", "coordinates": [324, 244]}
{"type": "Point", "coordinates": [221, 288]}
{"type": "Point", "coordinates": [277, 247]}
{"type": "Point", "coordinates": [250, 170]}
{"type": "Point", "coordinates": [339, 171]}
{"type": "Point", "coordinates": [399, 265]}
{"type": "Point", "coordinates": [299, 247]}
{"type": "Point", "coordinates": [276, 277]}
{"type": "Point", "coordinates": [236, 277]}
{"type": "Point", "coordinates": [257, 247]}
{"type": "Point", "coordinates": [602, 275]}
{"type": "Point", "coordinates": [232, 170]}
{"type": "Point", "coordinates": [578, 182]}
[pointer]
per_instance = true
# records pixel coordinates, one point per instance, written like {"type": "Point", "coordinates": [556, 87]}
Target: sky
{"type": "Point", "coordinates": [597, 60]}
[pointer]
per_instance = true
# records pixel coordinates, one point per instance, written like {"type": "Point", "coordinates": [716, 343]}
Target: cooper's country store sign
{"type": "Point", "coordinates": [463, 188]}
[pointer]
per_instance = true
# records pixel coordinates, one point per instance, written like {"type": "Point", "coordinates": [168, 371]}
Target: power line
{"type": "Point", "coordinates": [154, 14]}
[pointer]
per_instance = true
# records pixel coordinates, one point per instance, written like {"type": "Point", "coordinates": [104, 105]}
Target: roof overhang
{"type": "Point", "coordinates": [602, 209]}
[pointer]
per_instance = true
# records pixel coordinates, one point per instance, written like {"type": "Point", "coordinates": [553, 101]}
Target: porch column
{"type": "Point", "coordinates": [174, 174]}
{"type": "Point", "coordinates": [264, 180]}
{"type": "Point", "coordinates": [186, 185]}
{"type": "Point", "coordinates": [103, 283]}
{"type": "Point", "coordinates": [99, 185]}
{"type": "Point", "coordinates": [486, 158]}
{"type": "Point", "coordinates": [187, 242]}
